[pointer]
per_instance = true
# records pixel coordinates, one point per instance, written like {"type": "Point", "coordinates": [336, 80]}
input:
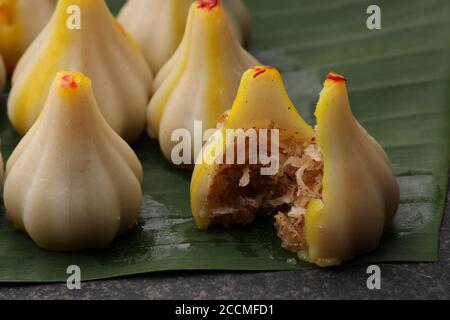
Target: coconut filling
{"type": "Point", "coordinates": [239, 193]}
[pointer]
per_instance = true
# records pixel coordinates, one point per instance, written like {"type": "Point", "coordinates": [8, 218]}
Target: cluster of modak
{"type": "Point", "coordinates": [85, 86]}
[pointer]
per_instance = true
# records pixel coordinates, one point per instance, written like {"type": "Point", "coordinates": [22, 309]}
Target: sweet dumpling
{"type": "Point", "coordinates": [158, 25]}
{"type": "Point", "coordinates": [331, 190]}
{"type": "Point", "coordinates": [200, 81]}
{"type": "Point", "coordinates": [72, 183]}
{"type": "Point", "coordinates": [20, 23]}
{"type": "Point", "coordinates": [101, 50]}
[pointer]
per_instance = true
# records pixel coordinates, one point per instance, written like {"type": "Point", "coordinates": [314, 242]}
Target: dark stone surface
{"type": "Point", "coordinates": [399, 281]}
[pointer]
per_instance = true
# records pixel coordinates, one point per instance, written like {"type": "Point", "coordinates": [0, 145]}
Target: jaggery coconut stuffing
{"type": "Point", "coordinates": [239, 192]}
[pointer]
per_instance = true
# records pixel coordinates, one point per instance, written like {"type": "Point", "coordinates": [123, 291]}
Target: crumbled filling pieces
{"type": "Point", "coordinates": [239, 193]}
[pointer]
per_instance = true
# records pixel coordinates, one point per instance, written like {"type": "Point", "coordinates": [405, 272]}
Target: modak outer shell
{"type": "Point", "coordinates": [360, 193]}
{"type": "Point", "coordinates": [200, 81]}
{"type": "Point", "coordinates": [2, 75]}
{"type": "Point", "coordinates": [159, 25]}
{"type": "Point", "coordinates": [20, 23]}
{"type": "Point", "coordinates": [72, 183]}
{"type": "Point", "coordinates": [261, 103]}
{"type": "Point", "coordinates": [101, 50]}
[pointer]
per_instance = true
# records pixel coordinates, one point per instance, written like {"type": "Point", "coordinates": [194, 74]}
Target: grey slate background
{"type": "Point", "coordinates": [399, 281]}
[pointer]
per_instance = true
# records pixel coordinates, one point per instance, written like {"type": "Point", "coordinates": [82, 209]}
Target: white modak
{"type": "Point", "coordinates": [72, 183]}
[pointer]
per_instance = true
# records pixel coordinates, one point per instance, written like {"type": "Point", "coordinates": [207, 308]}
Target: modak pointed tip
{"type": "Point", "coordinates": [333, 95]}
{"type": "Point", "coordinates": [260, 70]}
{"type": "Point", "coordinates": [69, 83]}
{"type": "Point", "coordinates": [336, 77]}
{"type": "Point", "coordinates": [209, 10]}
{"type": "Point", "coordinates": [208, 4]}
{"type": "Point", "coordinates": [69, 80]}
{"type": "Point", "coordinates": [262, 100]}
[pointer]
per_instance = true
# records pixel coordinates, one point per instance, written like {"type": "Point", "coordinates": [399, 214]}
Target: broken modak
{"type": "Point", "coordinates": [72, 183]}
{"type": "Point", "coordinates": [200, 81]}
{"type": "Point", "coordinates": [332, 193]}
{"type": "Point", "coordinates": [89, 41]}
{"type": "Point", "coordinates": [20, 23]}
{"type": "Point", "coordinates": [158, 25]}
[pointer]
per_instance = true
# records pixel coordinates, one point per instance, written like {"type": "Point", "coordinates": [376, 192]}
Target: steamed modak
{"type": "Point", "coordinates": [158, 25]}
{"type": "Point", "coordinates": [20, 23]}
{"type": "Point", "coordinates": [333, 193]}
{"type": "Point", "coordinates": [2, 75]}
{"type": "Point", "coordinates": [72, 183]}
{"type": "Point", "coordinates": [200, 81]}
{"type": "Point", "coordinates": [83, 36]}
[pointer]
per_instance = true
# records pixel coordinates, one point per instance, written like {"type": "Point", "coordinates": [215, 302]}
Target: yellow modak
{"type": "Point", "coordinates": [158, 25]}
{"type": "Point", "coordinates": [20, 23]}
{"type": "Point", "coordinates": [72, 183]}
{"type": "Point", "coordinates": [89, 40]}
{"type": "Point", "coordinates": [201, 80]}
{"type": "Point", "coordinates": [334, 193]}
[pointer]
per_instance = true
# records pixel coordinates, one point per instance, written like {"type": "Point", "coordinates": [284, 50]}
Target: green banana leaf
{"type": "Point", "coordinates": [399, 90]}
